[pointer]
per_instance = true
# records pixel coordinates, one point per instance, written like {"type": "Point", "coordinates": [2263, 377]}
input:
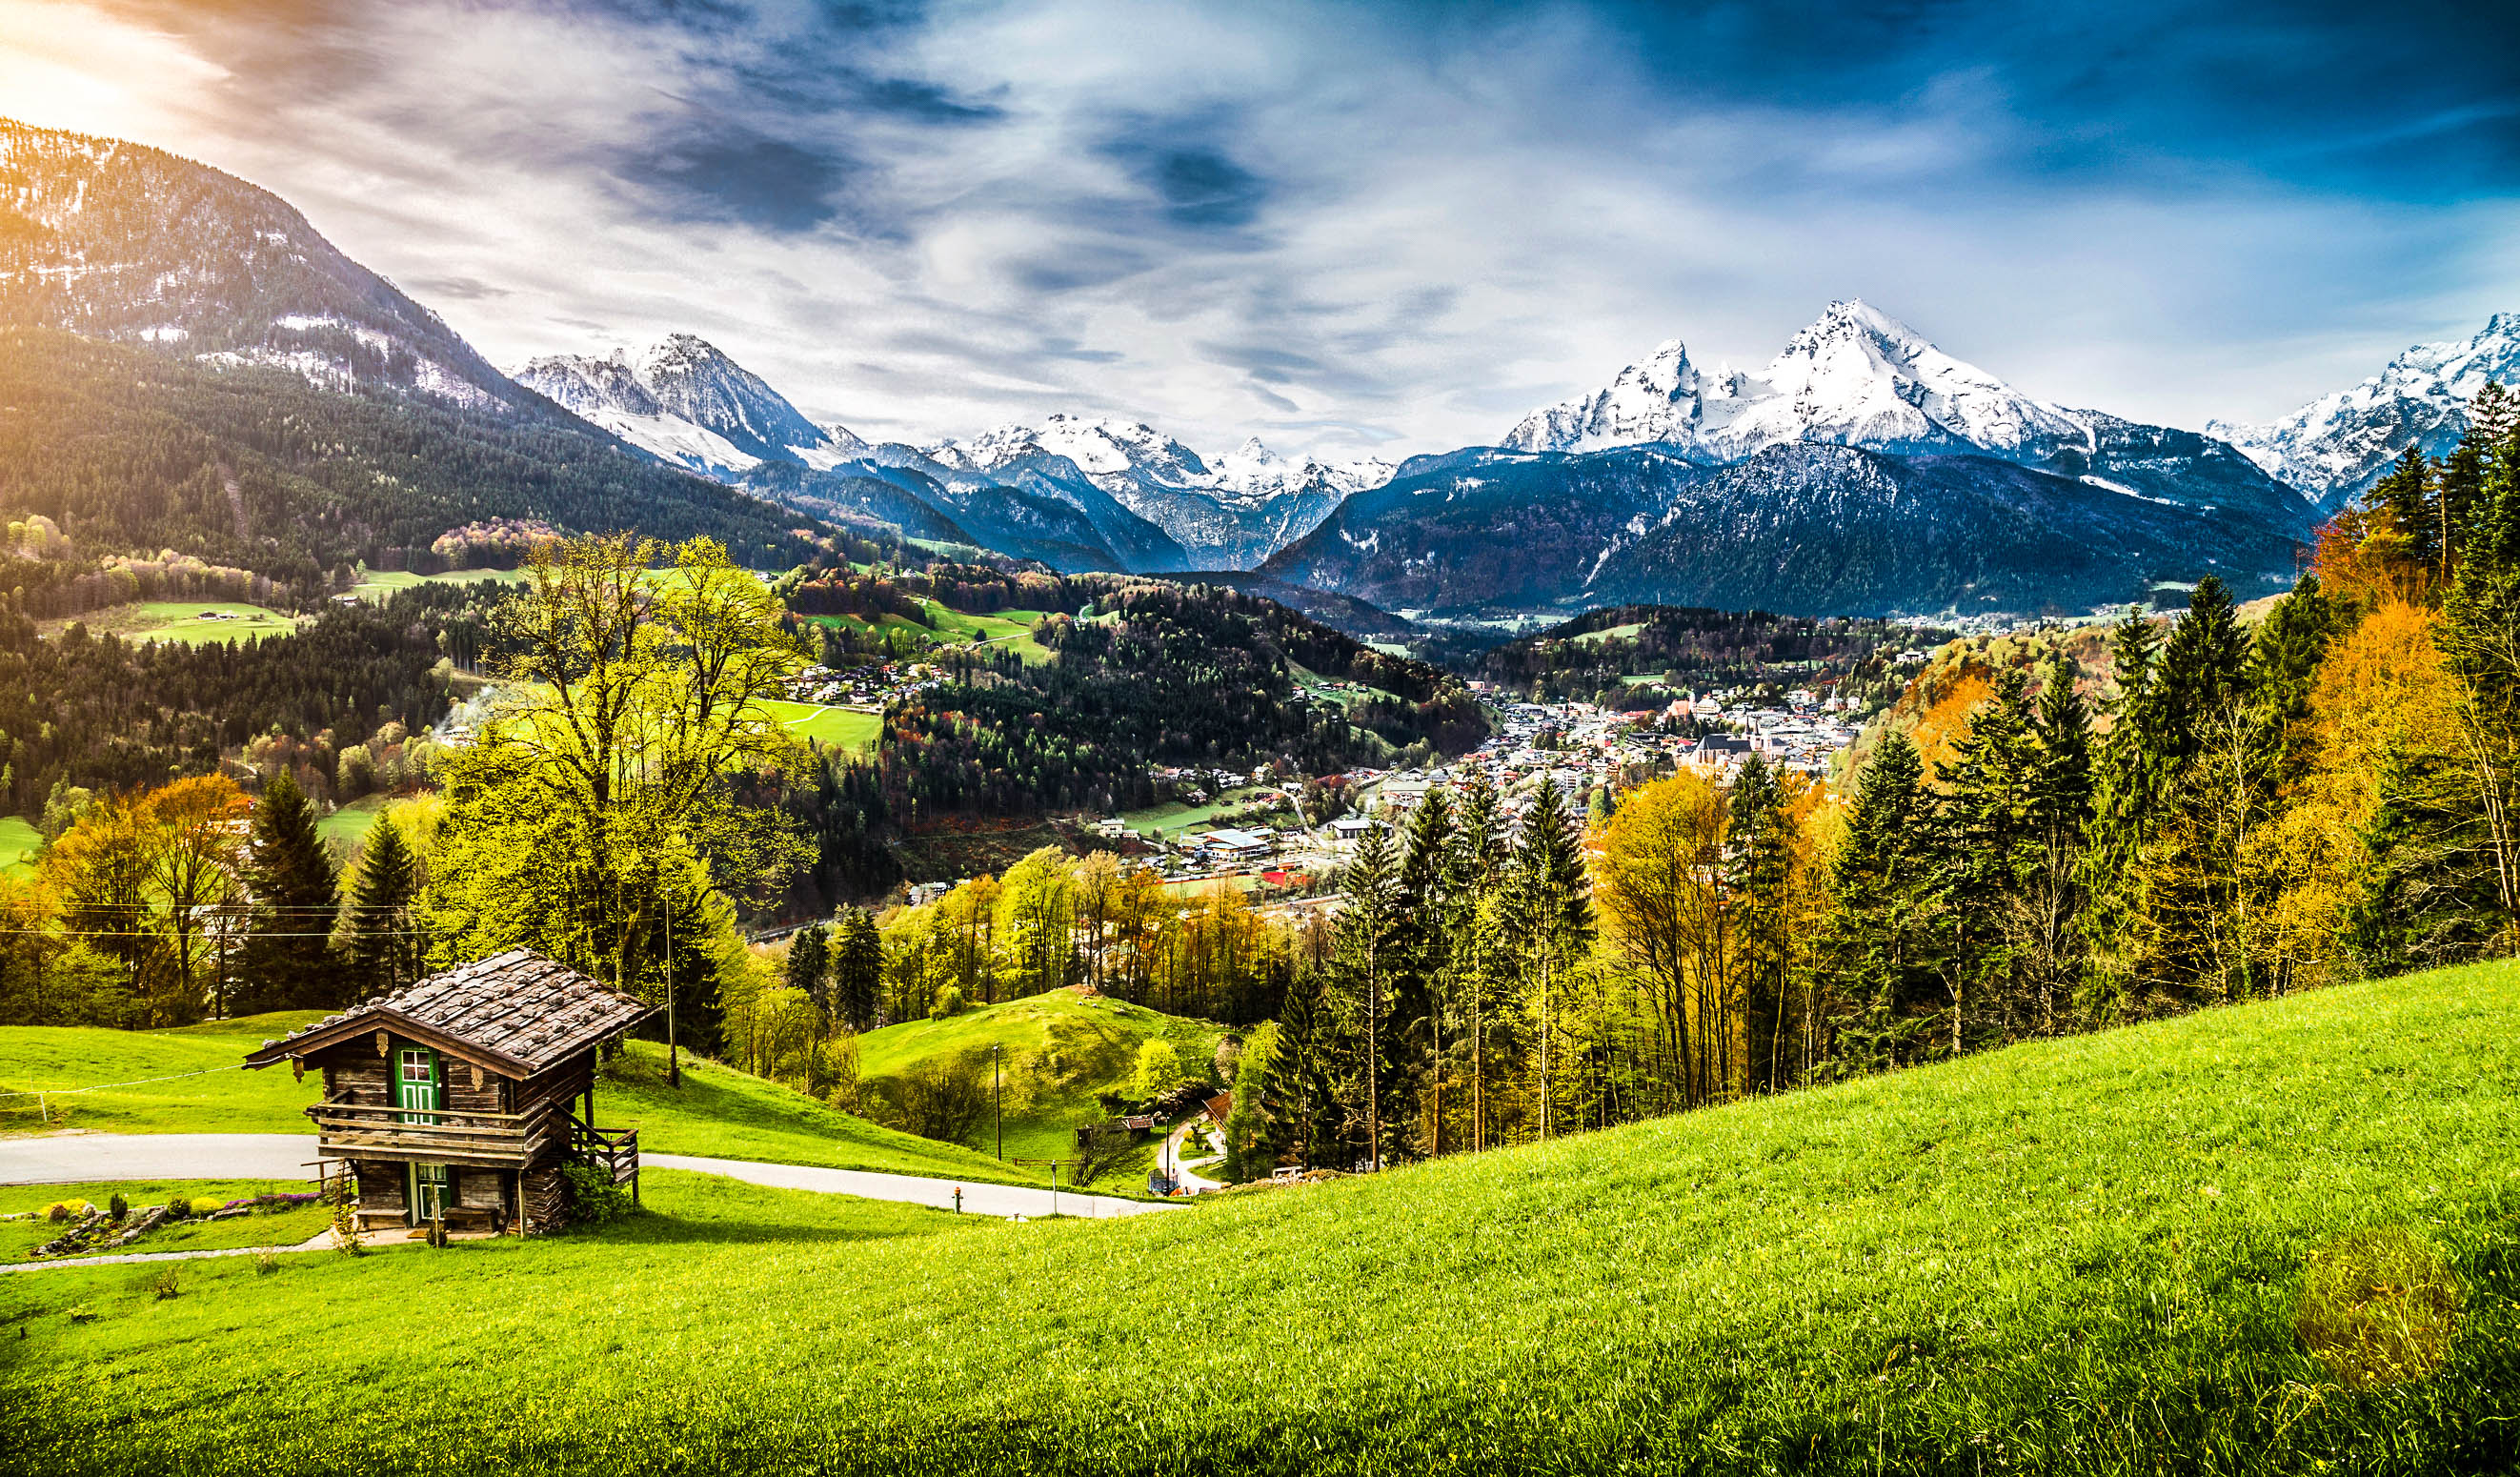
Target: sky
{"type": "Point", "coordinates": [1358, 228]}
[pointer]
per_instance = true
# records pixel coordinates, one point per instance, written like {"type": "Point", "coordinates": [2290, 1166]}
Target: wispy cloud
{"type": "Point", "coordinates": [1351, 225]}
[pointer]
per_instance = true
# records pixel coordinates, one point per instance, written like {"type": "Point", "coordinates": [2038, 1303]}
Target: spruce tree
{"type": "Point", "coordinates": [1548, 914]}
{"type": "Point", "coordinates": [809, 966]}
{"type": "Point", "coordinates": [1368, 944]}
{"type": "Point", "coordinates": [1304, 1110]}
{"type": "Point", "coordinates": [1878, 940]}
{"type": "Point", "coordinates": [2417, 506]}
{"type": "Point", "coordinates": [857, 971]}
{"type": "Point", "coordinates": [1984, 861]}
{"type": "Point", "coordinates": [1414, 1055]}
{"type": "Point", "coordinates": [1758, 877]}
{"type": "Point", "coordinates": [2060, 810]}
{"type": "Point", "coordinates": [288, 961]}
{"type": "Point", "coordinates": [1469, 888]}
{"type": "Point", "coordinates": [377, 944]}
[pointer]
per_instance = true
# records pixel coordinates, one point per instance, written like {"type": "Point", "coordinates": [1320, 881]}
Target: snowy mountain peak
{"type": "Point", "coordinates": [2337, 445]}
{"type": "Point", "coordinates": [684, 400]}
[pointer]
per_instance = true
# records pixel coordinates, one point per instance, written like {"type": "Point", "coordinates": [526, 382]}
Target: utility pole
{"type": "Point", "coordinates": [998, 1085]}
{"type": "Point", "coordinates": [673, 1042]}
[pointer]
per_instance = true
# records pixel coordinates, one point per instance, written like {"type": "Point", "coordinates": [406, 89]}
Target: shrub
{"type": "Point", "coordinates": [206, 1204]}
{"type": "Point", "coordinates": [266, 1263]}
{"type": "Point", "coordinates": [593, 1198]}
{"type": "Point", "coordinates": [165, 1284]}
{"type": "Point", "coordinates": [117, 1207]}
{"type": "Point", "coordinates": [62, 1210]}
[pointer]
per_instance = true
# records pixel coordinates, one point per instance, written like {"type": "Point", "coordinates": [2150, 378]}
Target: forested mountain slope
{"type": "Point", "coordinates": [117, 241]}
{"type": "Point", "coordinates": [132, 449]}
{"type": "Point", "coordinates": [1801, 529]}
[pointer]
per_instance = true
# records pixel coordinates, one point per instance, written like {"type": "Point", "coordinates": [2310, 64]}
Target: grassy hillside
{"type": "Point", "coordinates": [1061, 1049]}
{"type": "Point", "coordinates": [718, 1111]}
{"type": "Point", "coordinates": [2094, 1255]}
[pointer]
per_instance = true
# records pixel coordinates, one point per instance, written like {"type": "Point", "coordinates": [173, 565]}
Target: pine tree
{"type": "Point", "coordinates": [809, 966]}
{"type": "Point", "coordinates": [857, 971]}
{"type": "Point", "coordinates": [1879, 934]}
{"type": "Point", "coordinates": [1368, 944]}
{"type": "Point", "coordinates": [378, 947]}
{"type": "Point", "coordinates": [1304, 1111]}
{"type": "Point", "coordinates": [1548, 914]}
{"type": "Point", "coordinates": [1420, 975]}
{"type": "Point", "coordinates": [1758, 877]}
{"type": "Point", "coordinates": [2059, 811]}
{"type": "Point", "coordinates": [2416, 506]}
{"type": "Point", "coordinates": [1984, 860]}
{"type": "Point", "coordinates": [288, 961]}
{"type": "Point", "coordinates": [1470, 889]}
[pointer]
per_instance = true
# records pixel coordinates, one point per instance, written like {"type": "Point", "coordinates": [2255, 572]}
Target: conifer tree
{"type": "Point", "coordinates": [857, 971]}
{"type": "Point", "coordinates": [1367, 945]}
{"type": "Point", "coordinates": [1878, 943]}
{"type": "Point", "coordinates": [1986, 824]}
{"type": "Point", "coordinates": [1420, 973]}
{"type": "Point", "coordinates": [378, 947]}
{"type": "Point", "coordinates": [1470, 891]}
{"type": "Point", "coordinates": [1304, 1110]}
{"type": "Point", "coordinates": [1758, 878]}
{"type": "Point", "coordinates": [2417, 505]}
{"type": "Point", "coordinates": [288, 961]}
{"type": "Point", "coordinates": [1548, 914]}
{"type": "Point", "coordinates": [2059, 811]}
{"type": "Point", "coordinates": [809, 966]}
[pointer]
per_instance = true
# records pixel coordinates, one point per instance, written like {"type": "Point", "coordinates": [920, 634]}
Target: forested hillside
{"type": "Point", "coordinates": [134, 451]}
{"type": "Point", "coordinates": [1154, 674]}
{"type": "Point", "coordinates": [1641, 651]}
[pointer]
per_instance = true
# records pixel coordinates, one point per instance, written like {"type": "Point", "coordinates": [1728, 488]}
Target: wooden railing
{"type": "Point", "coordinates": [613, 1150]}
{"type": "Point", "coordinates": [445, 1136]}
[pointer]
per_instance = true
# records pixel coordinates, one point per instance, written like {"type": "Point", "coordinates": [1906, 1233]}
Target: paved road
{"type": "Point", "coordinates": [75, 1158]}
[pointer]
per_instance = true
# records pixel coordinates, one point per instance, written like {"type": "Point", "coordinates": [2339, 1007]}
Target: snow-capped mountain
{"type": "Point", "coordinates": [686, 402]}
{"type": "Point", "coordinates": [1229, 515]}
{"type": "Point", "coordinates": [2336, 446]}
{"type": "Point", "coordinates": [112, 240]}
{"type": "Point", "coordinates": [1856, 377]}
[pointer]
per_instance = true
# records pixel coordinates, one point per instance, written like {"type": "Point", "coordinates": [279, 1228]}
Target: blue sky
{"type": "Point", "coordinates": [1356, 228]}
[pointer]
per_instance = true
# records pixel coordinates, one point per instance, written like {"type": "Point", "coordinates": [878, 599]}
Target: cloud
{"type": "Point", "coordinates": [1349, 225]}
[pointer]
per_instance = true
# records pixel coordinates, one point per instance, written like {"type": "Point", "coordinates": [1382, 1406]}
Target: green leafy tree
{"type": "Point", "coordinates": [599, 794]}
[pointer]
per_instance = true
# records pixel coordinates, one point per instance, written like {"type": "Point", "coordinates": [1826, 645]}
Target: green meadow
{"type": "Point", "coordinates": [718, 1113]}
{"type": "Point", "coordinates": [194, 622]}
{"type": "Point", "coordinates": [381, 584]}
{"type": "Point", "coordinates": [2279, 1237]}
{"type": "Point", "coordinates": [830, 727]}
{"type": "Point", "coordinates": [1056, 1050]}
{"type": "Point", "coordinates": [19, 842]}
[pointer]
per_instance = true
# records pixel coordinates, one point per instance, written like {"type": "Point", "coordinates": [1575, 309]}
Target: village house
{"type": "Point", "coordinates": [458, 1100]}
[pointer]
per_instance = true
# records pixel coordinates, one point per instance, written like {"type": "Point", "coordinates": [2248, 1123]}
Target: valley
{"type": "Point", "coordinates": [1843, 914]}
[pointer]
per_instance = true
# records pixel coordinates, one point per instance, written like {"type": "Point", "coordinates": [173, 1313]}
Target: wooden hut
{"type": "Point", "coordinates": [460, 1097]}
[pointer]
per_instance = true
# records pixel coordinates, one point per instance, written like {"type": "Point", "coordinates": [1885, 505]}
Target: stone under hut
{"type": "Point", "coordinates": [460, 1098]}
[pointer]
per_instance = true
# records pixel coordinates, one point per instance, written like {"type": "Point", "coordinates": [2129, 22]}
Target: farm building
{"type": "Point", "coordinates": [457, 1100]}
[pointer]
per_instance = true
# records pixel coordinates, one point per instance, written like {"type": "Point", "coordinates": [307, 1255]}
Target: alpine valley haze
{"type": "Point", "coordinates": [1061, 736]}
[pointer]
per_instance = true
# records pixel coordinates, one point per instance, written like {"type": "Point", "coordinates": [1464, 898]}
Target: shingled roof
{"type": "Point", "coordinates": [517, 1011]}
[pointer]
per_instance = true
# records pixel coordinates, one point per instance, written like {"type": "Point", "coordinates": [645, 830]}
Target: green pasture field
{"type": "Point", "coordinates": [2274, 1238]}
{"type": "Point", "coordinates": [378, 585]}
{"type": "Point", "coordinates": [718, 1111]}
{"type": "Point", "coordinates": [19, 842]}
{"type": "Point", "coordinates": [1172, 818]}
{"type": "Point", "coordinates": [182, 620]}
{"type": "Point", "coordinates": [263, 1227]}
{"type": "Point", "coordinates": [830, 727]}
{"type": "Point", "coordinates": [347, 829]}
{"type": "Point", "coordinates": [1059, 1049]}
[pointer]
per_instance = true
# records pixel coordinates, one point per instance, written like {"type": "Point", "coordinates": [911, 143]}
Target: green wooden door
{"type": "Point", "coordinates": [419, 1081]}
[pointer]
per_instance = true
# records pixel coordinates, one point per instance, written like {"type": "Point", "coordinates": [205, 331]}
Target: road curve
{"type": "Point", "coordinates": [75, 1158]}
